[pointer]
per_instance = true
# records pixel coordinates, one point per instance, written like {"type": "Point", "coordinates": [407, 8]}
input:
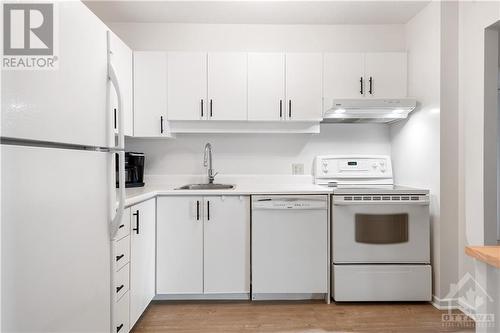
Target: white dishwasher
{"type": "Point", "coordinates": [290, 247]}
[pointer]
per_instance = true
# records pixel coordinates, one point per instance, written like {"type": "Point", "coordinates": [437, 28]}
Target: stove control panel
{"type": "Point", "coordinates": [356, 167]}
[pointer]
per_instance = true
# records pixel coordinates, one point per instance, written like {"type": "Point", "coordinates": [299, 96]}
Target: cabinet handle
{"type": "Point", "coordinates": [136, 229]}
{"type": "Point", "coordinates": [208, 210]}
{"type": "Point", "coordinates": [119, 257]}
{"type": "Point", "coordinates": [211, 108]}
{"type": "Point", "coordinates": [371, 86]}
{"type": "Point", "coordinates": [118, 328]}
{"type": "Point", "coordinates": [361, 85]}
{"type": "Point", "coordinates": [197, 210]}
{"type": "Point", "coordinates": [290, 108]}
{"type": "Point", "coordinates": [114, 117]}
{"type": "Point", "coordinates": [161, 124]}
{"type": "Point", "coordinates": [119, 288]}
{"type": "Point", "coordinates": [201, 107]}
{"type": "Point", "coordinates": [121, 226]}
{"type": "Point", "coordinates": [281, 108]}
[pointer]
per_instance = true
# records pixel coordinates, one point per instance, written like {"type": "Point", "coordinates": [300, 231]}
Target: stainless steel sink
{"type": "Point", "coordinates": [206, 187]}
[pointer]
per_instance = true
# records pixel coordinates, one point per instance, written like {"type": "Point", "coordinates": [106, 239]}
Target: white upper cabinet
{"type": "Point", "coordinates": [227, 244]}
{"type": "Point", "coordinates": [227, 86]}
{"type": "Point", "coordinates": [266, 86]}
{"type": "Point", "coordinates": [343, 76]}
{"type": "Point", "coordinates": [121, 59]}
{"type": "Point", "coordinates": [187, 86]}
{"type": "Point", "coordinates": [150, 94]}
{"type": "Point", "coordinates": [364, 75]}
{"type": "Point", "coordinates": [304, 82]}
{"type": "Point", "coordinates": [386, 74]}
{"type": "Point", "coordinates": [68, 104]}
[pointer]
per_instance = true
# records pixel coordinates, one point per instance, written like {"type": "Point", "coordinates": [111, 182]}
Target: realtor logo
{"type": "Point", "coordinates": [28, 36]}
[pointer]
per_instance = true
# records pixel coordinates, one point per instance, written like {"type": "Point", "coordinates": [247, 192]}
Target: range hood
{"type": "Point", "coordinates": [369, 110]}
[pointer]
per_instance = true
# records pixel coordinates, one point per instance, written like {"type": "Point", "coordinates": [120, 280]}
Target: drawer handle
{"type": "Point", "coordinates": [119, 288]}
{"type": "Point", "coordinates": [119, 257]}
{"type": "Point", "coordinates": [121, 226]}
{"type": "Point", "coordinates": [118, 328]}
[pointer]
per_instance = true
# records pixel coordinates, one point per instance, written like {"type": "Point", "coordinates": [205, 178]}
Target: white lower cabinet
{"type": "Point", "coordinates": [203, 245]}
{"type": "Point", "coordinates": [142, 257]}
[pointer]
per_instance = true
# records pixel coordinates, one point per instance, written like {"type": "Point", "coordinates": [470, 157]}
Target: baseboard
{"type": "Point", "coordinates": [445, 304]}
{"type": "Point", "coordinates": [466, 309]}
{"type": "Point", "coordinates": [215, 296]}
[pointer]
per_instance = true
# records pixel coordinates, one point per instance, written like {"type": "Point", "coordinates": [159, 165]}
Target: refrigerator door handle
{"type": "Point", "coordinates": [116, 221]}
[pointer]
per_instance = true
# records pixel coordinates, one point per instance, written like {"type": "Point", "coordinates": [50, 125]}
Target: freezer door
{"type": "Point", "coordinates": [68, 104]}
{"type": "Point", "coordinates": [55, 240]}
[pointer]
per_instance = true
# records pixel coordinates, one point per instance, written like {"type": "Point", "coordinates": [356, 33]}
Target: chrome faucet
{"type": "Point", "coordinates": [207, 162]}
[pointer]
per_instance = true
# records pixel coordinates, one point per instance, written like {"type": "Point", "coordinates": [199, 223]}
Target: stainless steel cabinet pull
{"type": "Point", "coordinates": [202, 107]}
{"type": "Point", "coordinates": [371, 86]}
{"type": "Point", "coordinates": [136, 229]}
{"type": "Point", "coordinates": [161, 124]}
{"type": "Point", "coordinates": [290, 108]}
{"type": "Point", "coordinates": [361, 85]}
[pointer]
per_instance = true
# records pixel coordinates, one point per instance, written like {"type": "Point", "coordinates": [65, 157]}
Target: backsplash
{"type": "Point", "coordinates": [249, 154]}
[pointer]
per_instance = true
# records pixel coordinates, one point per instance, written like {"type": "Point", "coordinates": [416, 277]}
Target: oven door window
{"type": "Point", "coordinates": [381, 228]}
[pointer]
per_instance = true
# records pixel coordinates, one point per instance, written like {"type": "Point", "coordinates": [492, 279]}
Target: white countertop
{"type": "Point", "coordinates": [245, 186]}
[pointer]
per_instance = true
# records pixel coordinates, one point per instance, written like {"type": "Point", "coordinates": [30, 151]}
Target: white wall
{"type": "Point", "coordinates": [256, 37]}
{"type": "Point", "coordinates": [259, 154]}
{"type": "Point", "coordinates": [416, 142]}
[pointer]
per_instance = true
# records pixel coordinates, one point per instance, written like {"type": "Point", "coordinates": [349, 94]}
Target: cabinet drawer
{"type": "Point", "coordinates": [121, 315]}
{"type": "Point", "coordinates": [121, 252]}
{"type": "Point", "coordinates": [122, 282]}
{"type": "Point", "coordinates": [124, 227]}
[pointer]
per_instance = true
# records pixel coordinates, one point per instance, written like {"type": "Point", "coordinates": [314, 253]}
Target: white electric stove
{"type": "Point", "coordinates": [380, 231]}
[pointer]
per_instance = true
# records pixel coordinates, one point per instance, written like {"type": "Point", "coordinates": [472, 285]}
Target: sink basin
{"type": "Point", "coordinates": [206, 187]}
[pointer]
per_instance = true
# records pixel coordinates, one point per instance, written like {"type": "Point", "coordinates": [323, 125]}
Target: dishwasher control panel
{"type": "Point", "coordinates": [290, 202]}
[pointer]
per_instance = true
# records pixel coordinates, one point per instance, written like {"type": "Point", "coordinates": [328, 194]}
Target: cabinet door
{"type": "Point", "coordinates": [150, 93]}
{"type": "Point", "coordinates": [304, 80]}
{"type": "Point", "coordinates": [142, 258]}
{"type": "Point", "coordinates": [266, 86]}
{"type": "Point", "coordinates": [68, 104]}
{"type": "Point", "coordinates": [121, 59]}
{"type": "Point", "coordinates": [227, 86]}
{"type": "Point", "coordinates": [343, 76]}
{"type": "Point", "coordinates": [388, 72]}
{"type": "Point", "coordinates": [180, 245]}
{"type": "Point", "coordinates": [187, 86]}
{"type": "Point", "coordinates": [227, 244]}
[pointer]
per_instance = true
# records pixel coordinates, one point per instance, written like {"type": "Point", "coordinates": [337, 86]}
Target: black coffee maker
{"type": "Point", "coordinates": [134, 170]}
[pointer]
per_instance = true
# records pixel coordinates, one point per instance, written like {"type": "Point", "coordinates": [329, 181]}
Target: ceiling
{"type": "Point", "coordinates": [258, 11]}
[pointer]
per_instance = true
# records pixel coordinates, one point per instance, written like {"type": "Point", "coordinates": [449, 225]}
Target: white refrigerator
{"type": "Point", "coordinates": [59, 205]}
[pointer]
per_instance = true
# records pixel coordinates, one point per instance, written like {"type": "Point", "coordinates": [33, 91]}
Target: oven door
{"type": "Point", "coordinates": [373, 230]}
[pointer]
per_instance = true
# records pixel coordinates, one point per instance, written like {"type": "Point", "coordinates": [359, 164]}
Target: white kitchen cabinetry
{"type": "Point", "coordinates": [203, 245]}
{"type": "Point", "coordinates": [364, 75]}
{"type": "Point", "coordinates": [227, 86]}
{"type": "Point", "coordinates": [142, 257]}
{"type": "Point", "coordinates": [304, 81]}
{"type": "Point", "coordinates": [266, 86]}
{"type": "Point", "coordinates": [187, 86]}
{"type": "Point", "coordinates": [179, 245]}
{"type": "Point", "coordinates": [386, 74]}
{"type": "Point", "coordinates": [150, 94]}
{"type": "Point", "coordinates": [121, 275]}
{"type": "Point", "coordinates": [121, 59]}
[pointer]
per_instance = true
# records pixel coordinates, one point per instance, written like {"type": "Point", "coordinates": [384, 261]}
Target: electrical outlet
{"type": "Point", "coordinates": [297, 169]}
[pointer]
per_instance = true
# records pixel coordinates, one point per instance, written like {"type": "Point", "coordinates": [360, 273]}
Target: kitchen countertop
{"type": "Point", "coordinates": [487, 254]}
{"type": "Point", "coordinates": [136, 195]}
